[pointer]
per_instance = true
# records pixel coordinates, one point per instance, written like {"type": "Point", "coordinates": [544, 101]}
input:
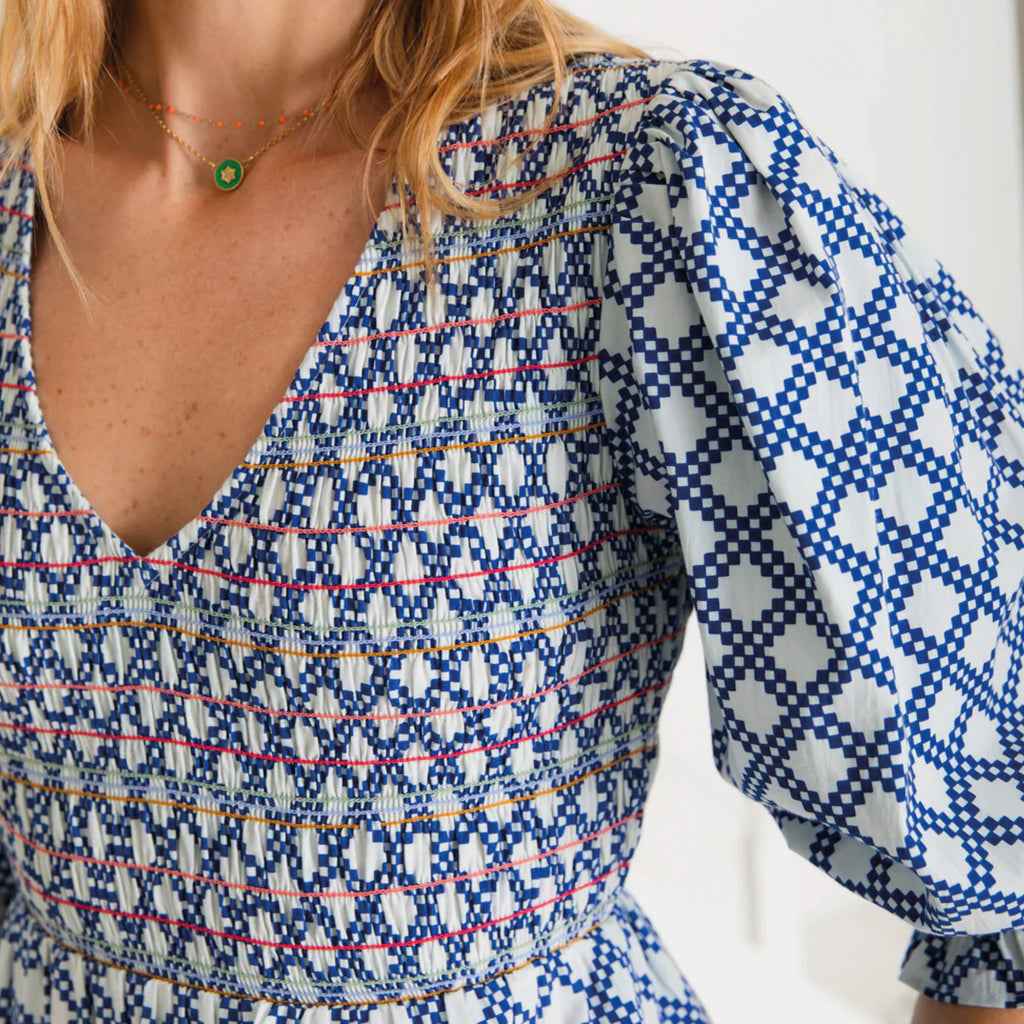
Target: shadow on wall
{"type": "Point", "coordinates": [1020, 43]}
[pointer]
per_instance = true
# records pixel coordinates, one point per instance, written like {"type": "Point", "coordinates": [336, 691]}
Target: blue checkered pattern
{"type": "Point", "coordinates": [839, 439]}
{"type": "Point", "coordinates": [972, 970]}
{"type": "Point", "coordinates": [370, 738]}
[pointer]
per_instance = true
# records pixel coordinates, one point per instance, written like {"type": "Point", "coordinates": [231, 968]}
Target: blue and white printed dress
{"type": "Point", "coordinates": [369, 739]}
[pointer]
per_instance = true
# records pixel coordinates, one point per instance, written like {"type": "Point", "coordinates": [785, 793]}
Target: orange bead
{"type": "Point", "coordinates": [305, 113]}
{"type": "Point", "coordinates": [220, 124]}
{"type": "Point", "coordinates": [159, 106]}
{"type": "Point", "coordinates": [261, 123]}
{"type": "Point", "coordinates": [238, 124]}
{"type": "Point", "coordinates": [170, 110]}
{"type": "Point", "coordinates": [195, 117]}
{"type": "Point", "coordinates": [282, 119]}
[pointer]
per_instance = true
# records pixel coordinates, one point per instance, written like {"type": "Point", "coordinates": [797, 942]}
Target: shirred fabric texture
{"type": "Point", "coordinates": [972, 970]}
{"type": "Point", "coordinates": [370, 738]}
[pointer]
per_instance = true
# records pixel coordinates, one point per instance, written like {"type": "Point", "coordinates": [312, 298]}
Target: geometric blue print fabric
{"type": "Point", "coordinates": [369, 740]}
{"type": "Point", "coordinates": [839, 439]}
{"type": "Point", "coordinates": [972, 970]}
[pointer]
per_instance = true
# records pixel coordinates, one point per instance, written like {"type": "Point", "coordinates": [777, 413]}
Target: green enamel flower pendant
{"type": "Point", "coordinates": [228, 175]}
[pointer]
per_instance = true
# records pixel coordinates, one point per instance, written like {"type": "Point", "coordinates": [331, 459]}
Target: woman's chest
{"type": "Point", "coordinates": [453, 447]}
{"type": "Point", "coordinates": [419, 593]}
{"type": "Point", "coordinates": [433, 497]}
{"type": "Point", "coordinates": [156, 393]}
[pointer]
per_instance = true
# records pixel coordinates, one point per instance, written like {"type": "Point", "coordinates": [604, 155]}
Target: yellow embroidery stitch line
{"type": "Point", "coordinates": [326, 827]}
{"type": "Point", "coordinates": [422, 451]}
{"type": "Point", "coordinates": [385, 455]}
{"type": "Point", "coordinates": [347, 654]}
{"type": "Point", "coordinates": [338, 805]}
{"type": "Point", "coordinates": [484, 255]}
{"type": "Point", "coordinates": [299, 894]}
{"type": "Point", "coordinates": [25, 451]}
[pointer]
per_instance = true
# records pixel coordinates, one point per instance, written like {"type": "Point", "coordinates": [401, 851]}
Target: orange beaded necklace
{"type": "Point", "coordinates": [229, 172]}
{"type": "Point", "coordinates": [170, 108]}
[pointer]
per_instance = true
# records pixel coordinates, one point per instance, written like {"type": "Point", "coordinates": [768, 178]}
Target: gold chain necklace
{"type": "Point", "coordinates": [228, 173]}
{"type": "Point", "coordinates": [215, 122]}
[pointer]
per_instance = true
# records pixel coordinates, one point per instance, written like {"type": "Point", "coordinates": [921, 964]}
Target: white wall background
{"type": "Point", "coordinates": [923, 99]}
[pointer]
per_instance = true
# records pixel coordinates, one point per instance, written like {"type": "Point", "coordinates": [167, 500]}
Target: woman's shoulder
{"type": "Point", "coordinates": [600, 92]}
{"type": "Point", "coordinates": [607, 101]}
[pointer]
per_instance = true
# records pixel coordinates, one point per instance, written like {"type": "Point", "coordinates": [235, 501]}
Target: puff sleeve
{"type": "Point", "coordinates": [812, 403]}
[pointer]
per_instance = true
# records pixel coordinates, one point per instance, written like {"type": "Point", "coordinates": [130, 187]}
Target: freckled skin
{"type": "Point", "coordinates": [196, 342]}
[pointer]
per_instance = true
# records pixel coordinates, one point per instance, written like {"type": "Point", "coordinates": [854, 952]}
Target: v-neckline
{"type": "Point", "coordinates": [306, 375]}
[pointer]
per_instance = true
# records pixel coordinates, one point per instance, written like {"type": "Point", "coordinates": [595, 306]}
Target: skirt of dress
{"type": "Point", "coordinates": [618, 972]}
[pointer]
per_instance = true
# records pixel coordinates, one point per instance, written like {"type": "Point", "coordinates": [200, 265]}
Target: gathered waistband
{"type": "Point", "coordinates": [416, 905]}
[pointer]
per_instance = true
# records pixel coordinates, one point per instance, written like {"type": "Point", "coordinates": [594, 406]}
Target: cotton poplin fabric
{"type": "Point", "coordinates": [369, 739]}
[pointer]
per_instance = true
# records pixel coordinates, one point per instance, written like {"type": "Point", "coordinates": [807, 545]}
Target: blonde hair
{"type": "Point", "coordinates": [441, 61]}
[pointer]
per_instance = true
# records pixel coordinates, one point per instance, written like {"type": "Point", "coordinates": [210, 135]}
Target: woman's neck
{"type": "Point", "coordinates": [246, 61]}
{"type": "Point", "coordinates": [225, 59]}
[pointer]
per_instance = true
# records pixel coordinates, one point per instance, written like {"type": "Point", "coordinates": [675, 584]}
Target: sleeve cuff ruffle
{"type": "Point", "coordinates": [970, 970]}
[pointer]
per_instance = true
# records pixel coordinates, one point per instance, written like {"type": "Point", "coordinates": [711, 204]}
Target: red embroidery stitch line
{"type": "Point", "coordinates": [349, 947]}
{"type": "Point", "coordinates": [431, 381]}
{"type": "Point", "coordinates": [285, 584]}
{"type": "Point", "coordinates": [318, 716]}
{"type": "Point", "coordinates": [284, 651]}
{"type": "Point", "coordinates": [339, 530]}
{"type": "Point", "coordinates": [300, 894]}
{"type": "Point", "coordinates": [170, 741]}
{"type": "Point", "coordinates": [199, 570]}
{"type": "Point", "coordinates": [551, 177]}
{"type": "Point", "coordinates": [409, 332]}
{"type": "Point", "coordinates": [410, 524]}
{"type": "Point", "coordinates": [136, 970]}
{"type": "Point", "coordinates": [547, 131]}
{"type": "Point", "coordinates": [561, 175]}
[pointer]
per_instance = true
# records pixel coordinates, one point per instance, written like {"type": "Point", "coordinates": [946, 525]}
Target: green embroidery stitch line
{"type": "Point", "coordinates": [473, 631]}
{"type": "Point", "coordinates": [464, 248]}
{"type": "Point", "coordinates": [31, 430]}
{"type": "Point", "coordinates": [19, 428]}
{"type": "Point", "coordinates": [604, 199]}
{"type": "Point", "coordinates": [342, 803]}
{"type": "Point", "coordinates": [445, 420]}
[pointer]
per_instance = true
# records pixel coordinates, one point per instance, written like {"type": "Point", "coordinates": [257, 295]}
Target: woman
{"type": "Point", "coordinates": [366, 735]}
